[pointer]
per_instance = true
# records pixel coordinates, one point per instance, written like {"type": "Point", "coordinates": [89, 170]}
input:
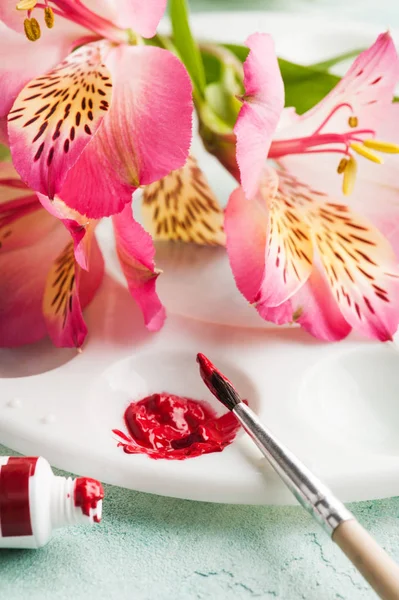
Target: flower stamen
{"type": "Point", "coordinates": [353, 121]}
{"type": "Point", "coordinates": [49, 17]}
{"type": "Point", "coordinates": [380, 146]}
{"type": "Point", "coordinates": [32, 29]}
{"type": "Point", "coordinates": [359, 148]}
{"type": "Point", "coordinates": [350, 171]}
{"type": "Point", "coordinates": [342, 165]}
{"type": "Point", "coordinates": [26, 4]}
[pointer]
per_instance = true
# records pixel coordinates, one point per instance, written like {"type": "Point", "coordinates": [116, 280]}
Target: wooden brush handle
{"type": "Point", "coordinates": [381, 572]}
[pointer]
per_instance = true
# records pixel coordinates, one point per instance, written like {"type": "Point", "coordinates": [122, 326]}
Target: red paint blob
{"type": "Point", "coordinates": [88, 493]}
{"type": "Point", "coordinates": [173, 427]}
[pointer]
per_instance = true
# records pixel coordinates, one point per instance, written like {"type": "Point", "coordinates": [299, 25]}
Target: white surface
{"type": "Point", "coordinates": [334, 405]}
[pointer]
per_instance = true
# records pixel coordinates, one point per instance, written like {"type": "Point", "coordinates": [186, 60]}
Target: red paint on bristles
{"type": "Point", "coordinates": [217, 383]}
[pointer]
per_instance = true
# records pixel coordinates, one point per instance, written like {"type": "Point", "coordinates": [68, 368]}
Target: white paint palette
{"type": "Point", "coordinates": [336, 406]}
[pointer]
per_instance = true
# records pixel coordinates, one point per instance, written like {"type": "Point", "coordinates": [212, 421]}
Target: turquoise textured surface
{"type": "Point", "coordinates": [150, 547]}
{"type": "Point", "coordinates": [155, 548]}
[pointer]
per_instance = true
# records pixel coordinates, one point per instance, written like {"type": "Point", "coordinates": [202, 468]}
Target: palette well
{"type": "Point", "coordinates": [335, 406]}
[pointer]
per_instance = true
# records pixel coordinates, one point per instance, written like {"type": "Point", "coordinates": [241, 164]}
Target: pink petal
{"type": "Point", "coordinates": [141, 16]}
{"type": "Point", "coordinates": [3, 131]}
{"type": "Point", "coordinates": [145, 135]}
{"type": "Point", "coordinates": [22, 60]}
{"type": "Point", "coordinates": [136, 256]}
{"type": "Point", "coordinates": [367, 88]}
{"type": "Point", "coordinates": [318, 311]}
{"type": "Point", "coordinates": [69, 289]}
{"type": "Point", "coordinates": [246, 226]}
{"type": "Point", "coordinates": [22, 219]}
{"type": "Point", "coordinates": [259, 115]}
{"type": "Point", "coordinates": [49, 131]}
{"type": "Point", "coordinates": [78, 225]}
{"type": "Point", "coordinates": [280, 315]}
{"type": "Point", "coordinates": [22, 281]}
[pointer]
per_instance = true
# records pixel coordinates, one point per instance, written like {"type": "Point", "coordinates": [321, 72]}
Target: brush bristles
{"type": "Point", "coordinates": [224, 391]}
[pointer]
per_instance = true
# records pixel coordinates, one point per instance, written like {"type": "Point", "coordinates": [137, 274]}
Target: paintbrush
{"type": "Point", "coordinates": [381, 572]}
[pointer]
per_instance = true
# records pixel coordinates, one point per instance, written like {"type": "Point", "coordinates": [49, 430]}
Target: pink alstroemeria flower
{"type": "Point", "coordinates": [48, 277]}
{"type": "Point", "coordinates": [298, 250]}
{"type": "Point", "coordinates": [92, 124]}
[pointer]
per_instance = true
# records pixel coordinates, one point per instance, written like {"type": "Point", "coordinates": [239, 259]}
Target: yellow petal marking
{"type": "Point", "coordinates": [60, 286]}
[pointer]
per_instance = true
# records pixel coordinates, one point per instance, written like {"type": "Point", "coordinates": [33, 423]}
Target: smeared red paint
{"type": "Point", "coordinates": [88, 493]}
{"type": "Point", "coordinates": [173, 427]}
{"type": "Point", "coordinates": [14, 496]}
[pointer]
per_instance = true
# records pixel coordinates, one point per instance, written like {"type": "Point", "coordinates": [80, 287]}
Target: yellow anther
{"type": "Point", "coordinates": [353, 122]}
{"type": "Point", "coordinates": [349, 176]}
{"type": "Point", "coordinates": [297, 314]}
{"type": "Point", "coordinates": [386, 147]}
{"type": "Point", "coordinates": [342, 165]}
{"type": "Point", "coordinates": [363, 151]}
{"type": "Point", "coordinates": [32, 29]}
{"type": "Point", "coordinates": [49, 17]}
{"type": "Point", "coordinates": [26, 4]}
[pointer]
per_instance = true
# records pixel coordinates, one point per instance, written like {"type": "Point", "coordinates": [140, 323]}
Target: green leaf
{"type": "Point", "coordinates": [331, 62]}
{"type": "Point", "coordinates": [241, 52]}
{"type": "Point", "coordinates": [305, 86]}
{"type": "Point", "coordinates": [186, 45]}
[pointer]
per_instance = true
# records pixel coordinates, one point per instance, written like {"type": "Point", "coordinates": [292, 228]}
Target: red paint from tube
{"type": "Point", "coordinates": [176, 428]}
{"type": "Point", "coordinates": [88, 493]}
{"type": "Point", "coordinates": [15, 518]}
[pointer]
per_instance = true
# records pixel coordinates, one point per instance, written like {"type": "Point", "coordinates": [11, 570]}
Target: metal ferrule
{"type": "Point", "coordinates": [314, 496]}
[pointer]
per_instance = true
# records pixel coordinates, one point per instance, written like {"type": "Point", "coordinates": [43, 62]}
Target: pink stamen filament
{"type": "Point", "coordinates": [310, 144]}
{"type": "Point", "coordinates": [75, 10]}
{"type": "Point", "coordinates": [332, 113]}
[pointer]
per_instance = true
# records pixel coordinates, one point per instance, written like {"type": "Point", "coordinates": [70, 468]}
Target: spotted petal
{"type": "Point", "coordinates": [68, 289]}
{"type": "Point", "coordinates": [182, 206]}
{"type": "Point", "coordinates": [365, 92]}
{"type": "Point", "coordinates": [289, 250]}
{"type": "Point", "coordinates": [136, 256]}
{"type": "Point", "coordinates": [146, 134]}
{"type": "Point", "coordinates": [361, 267]}
{"type": "Point", "coordinates": [246, 226]}
{"type": "Point", "coordinates": [55, 116]}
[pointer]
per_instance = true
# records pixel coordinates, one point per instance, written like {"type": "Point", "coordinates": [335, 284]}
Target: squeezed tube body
{"type": "Point", "coordinates": [34, 502]}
